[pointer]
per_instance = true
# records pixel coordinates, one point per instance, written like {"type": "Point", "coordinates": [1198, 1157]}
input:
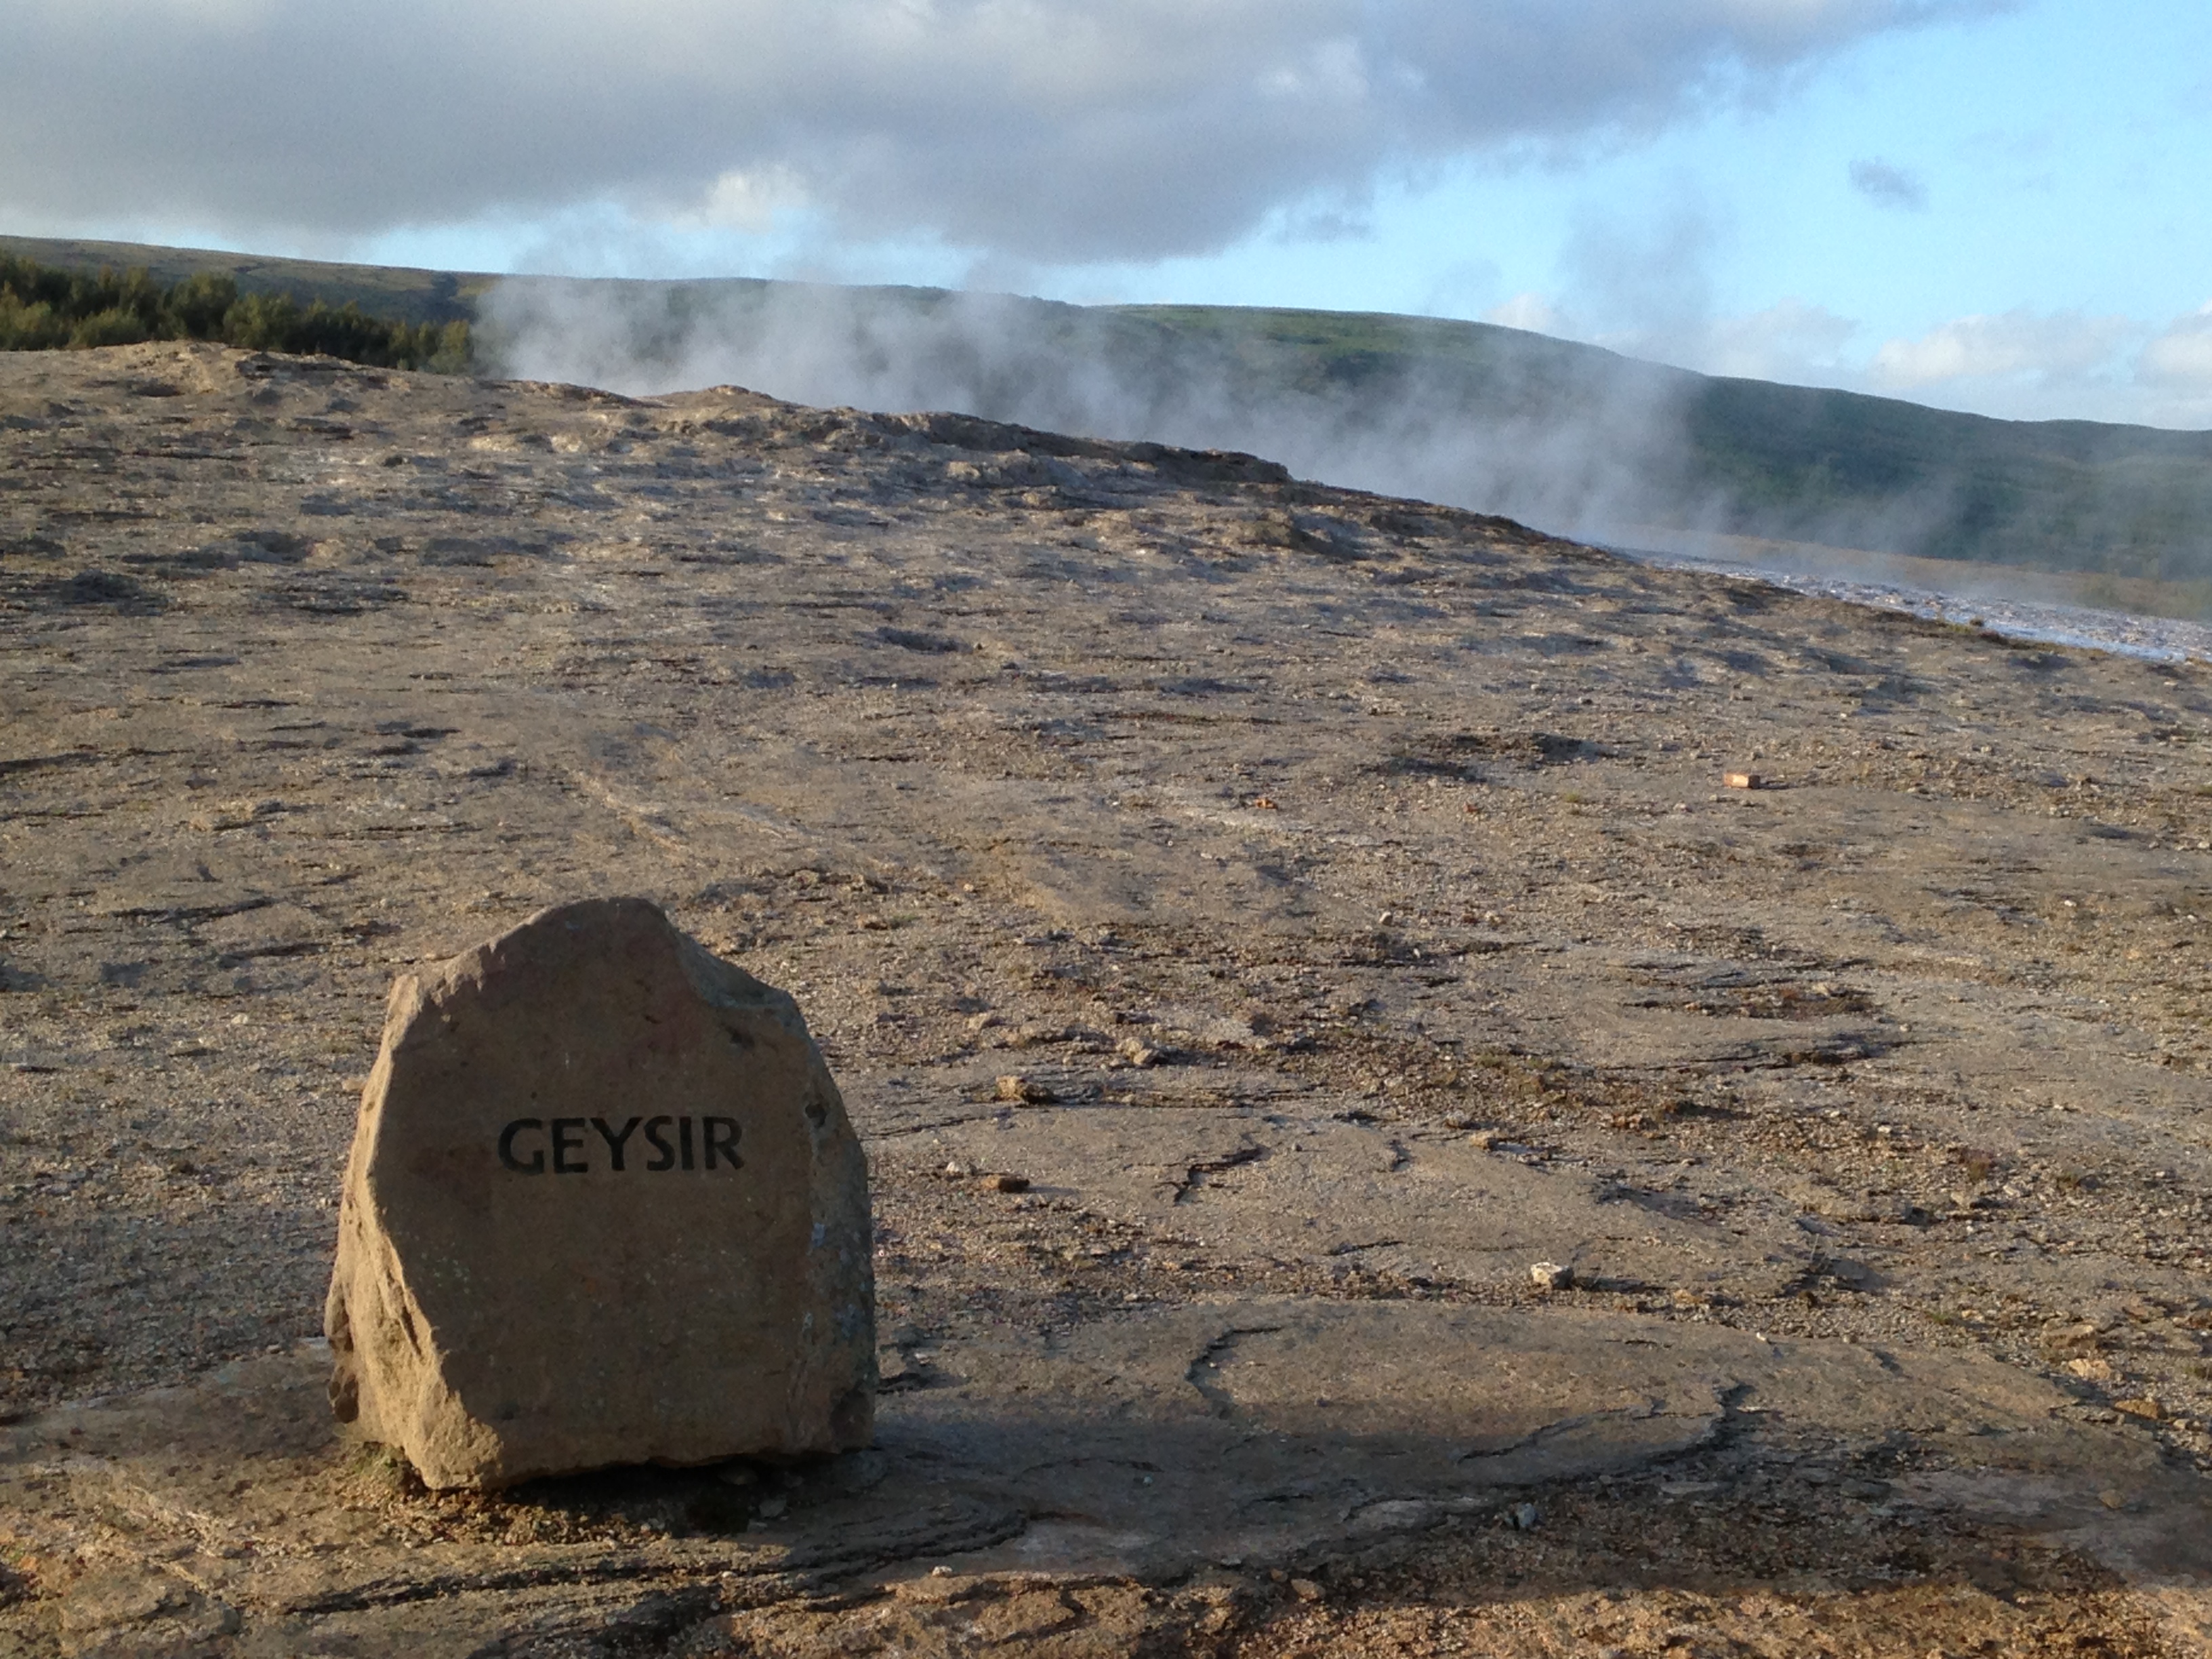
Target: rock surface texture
{"type": "Point", "coordinates": [604, 1206]}
{"type": "Point", "coordinates": [1252, 925]}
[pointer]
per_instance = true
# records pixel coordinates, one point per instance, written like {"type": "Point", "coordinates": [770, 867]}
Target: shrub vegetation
{"type": "Point", "coordinates": [43, 309]}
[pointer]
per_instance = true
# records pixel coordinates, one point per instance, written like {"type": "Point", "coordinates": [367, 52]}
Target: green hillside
{"type": "Point", "coordinates": [45, 308]}
{"type": "Point", "coordinates": [1757, 459]}
{"type": "Point", "coordinates": [399, 294]}
{"type": "Point", "coordinates": [1568, 437]}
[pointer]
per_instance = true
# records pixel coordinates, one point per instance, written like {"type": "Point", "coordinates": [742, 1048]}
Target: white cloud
{"type": "Point", "coordinates": [2180, 359]}
{"type": "Point", "coordinates": [1054, 131]}
{"type": "Point", "coordinates": [2014, 346]}
{"type": "Point", "coordinates": [745, 201]}
{"type": "Point", "coordinates": [2034, 366]}
{"type": "Point", "coordinates": [1532, 312]}
{"type": "Point", "coordinates": [1791, 340]}
{"type": "Point", "coordinates": [2016, 365]}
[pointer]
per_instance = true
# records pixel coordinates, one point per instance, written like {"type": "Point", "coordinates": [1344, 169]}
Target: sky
{"type": "Point", "coordinates": [1993, 205]}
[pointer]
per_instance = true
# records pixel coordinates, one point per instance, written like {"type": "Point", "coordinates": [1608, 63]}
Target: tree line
{"type": "Point", "coordinates": [43, 309]}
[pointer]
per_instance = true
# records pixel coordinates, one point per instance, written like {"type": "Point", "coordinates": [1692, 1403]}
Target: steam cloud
{"type": "Point", "coordinates": [1569, 438]}
{"type": "Point", "coordinates": [1566, 437]}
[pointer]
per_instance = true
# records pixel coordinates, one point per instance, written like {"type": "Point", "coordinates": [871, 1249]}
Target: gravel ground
{"type": "Point", "coordinates": [1254, 926]}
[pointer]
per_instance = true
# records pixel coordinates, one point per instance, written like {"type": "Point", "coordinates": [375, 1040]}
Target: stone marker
{"type": "Point", "coordinates": [604, 1206]}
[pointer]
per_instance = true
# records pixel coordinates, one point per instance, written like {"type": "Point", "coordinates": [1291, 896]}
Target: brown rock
{"type": "Point", "coordinates": [604, 1206]}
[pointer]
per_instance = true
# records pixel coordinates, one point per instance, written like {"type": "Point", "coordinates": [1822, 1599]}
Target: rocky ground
{"type": "Point", "coordinates": [1254, 926]}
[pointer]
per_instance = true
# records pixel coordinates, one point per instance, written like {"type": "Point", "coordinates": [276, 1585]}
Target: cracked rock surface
{"type": "Point", "coordinates": [1251, 925]}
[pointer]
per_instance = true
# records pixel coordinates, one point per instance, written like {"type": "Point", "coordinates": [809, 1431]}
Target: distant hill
{"type": "Point", "coordinates": [1569, 437]}
{"type": "Point", "coordinates": [401, 295]}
